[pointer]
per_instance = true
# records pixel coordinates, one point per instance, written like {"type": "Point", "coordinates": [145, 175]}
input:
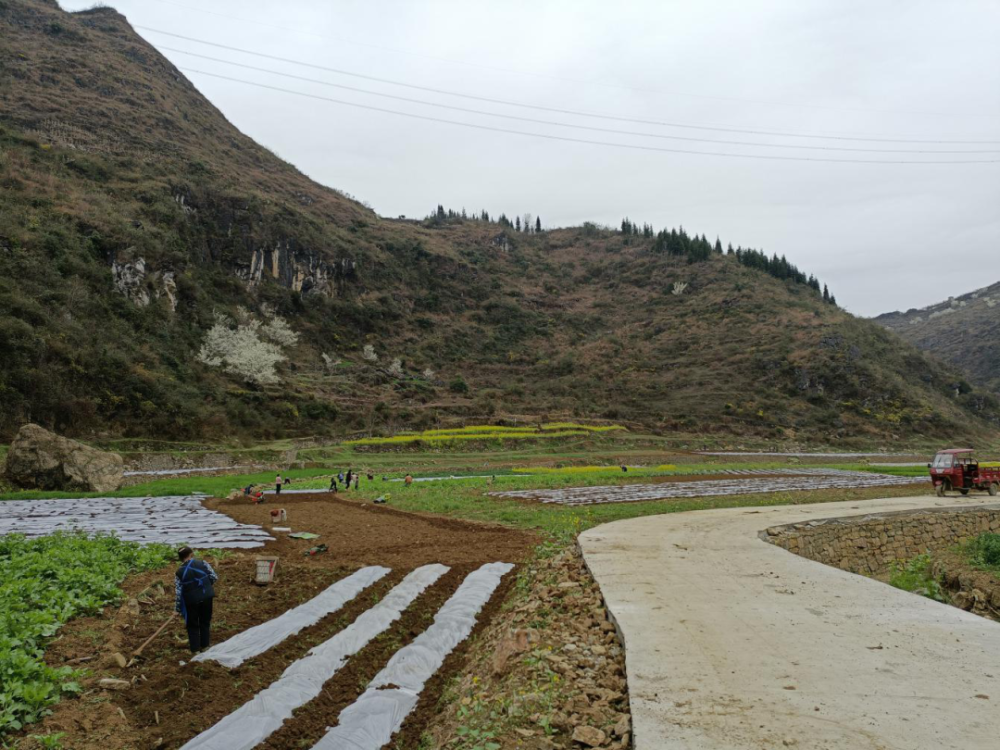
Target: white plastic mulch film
{"type": "Point", "coordinates": [178, 472]}
{"type": "Point", "coordinates": [256, 720]}
{"type": "Point", "coordinates": [257, 640]}
{"type": "Point", "coordinates": [177, 519]}
{"type": "Point", "coordinates": [370, 722]}
{"type": "Point", "coordinates": [752, 481]}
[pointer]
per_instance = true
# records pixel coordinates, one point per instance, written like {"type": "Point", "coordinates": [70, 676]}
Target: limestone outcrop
{"type": "Point", "coordinates": [39, 459]}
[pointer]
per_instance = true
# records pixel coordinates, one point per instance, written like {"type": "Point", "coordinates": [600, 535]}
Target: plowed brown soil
{"type": "Point", "coordinates": [171, 700]}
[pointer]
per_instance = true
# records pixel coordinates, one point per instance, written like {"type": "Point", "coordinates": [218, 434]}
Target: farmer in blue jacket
{"type": "Point", "coordinates": [193, 595]}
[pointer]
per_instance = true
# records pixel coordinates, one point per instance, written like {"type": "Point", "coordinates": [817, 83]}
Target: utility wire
{"type": "Point", "coordinates": [563, 111]}
{"type": "Point", "coordinates": [573, 125]}
{"type": "Point", "coordinates": [563, 79]}
{"type": "Point", "coordinates": [636, 147]}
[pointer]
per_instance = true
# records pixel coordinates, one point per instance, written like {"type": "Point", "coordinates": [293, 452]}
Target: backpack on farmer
{"type": "Point", "coordinates": [196, 582]}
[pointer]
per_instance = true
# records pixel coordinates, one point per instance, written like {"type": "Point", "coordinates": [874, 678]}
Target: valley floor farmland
{"type": "Point", "coordinates": [169, 701]}
{"type": "Point", "coordinates": [542, 660]}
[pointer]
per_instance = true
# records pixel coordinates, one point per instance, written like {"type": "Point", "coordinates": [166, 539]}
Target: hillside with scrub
{"type": "Point", "coordinates": [963, 330]}
{"type": "Point", "coordinates": [162, 275]}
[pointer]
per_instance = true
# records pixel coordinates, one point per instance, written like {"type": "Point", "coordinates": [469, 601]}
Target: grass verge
{"type": "Point", "coordinates": [917, 577]}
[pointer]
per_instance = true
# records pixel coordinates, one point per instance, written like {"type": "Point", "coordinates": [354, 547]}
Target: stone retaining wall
{"type": "Point", "coordinates": [871, 544]}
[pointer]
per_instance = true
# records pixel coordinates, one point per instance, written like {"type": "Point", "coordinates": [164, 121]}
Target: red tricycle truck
{"type": "Point", "coordinates": [957, 469]}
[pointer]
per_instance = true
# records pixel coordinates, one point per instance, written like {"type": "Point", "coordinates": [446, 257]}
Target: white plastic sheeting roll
{"type": "Point", "coordinates": [256, 720]}
{"type": "Point", "coordinates": [258, 639]}
{"type": "Point", "coordinates": [370, 722]}
{"type": "Point", "coordinates": [176, 520]}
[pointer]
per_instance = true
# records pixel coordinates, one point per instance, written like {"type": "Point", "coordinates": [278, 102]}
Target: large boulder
{"type": "Point", "coordinates": [39, 459]}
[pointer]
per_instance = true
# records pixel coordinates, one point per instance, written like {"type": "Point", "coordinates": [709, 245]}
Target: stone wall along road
{"type": "Point", "coordinates": [870, 544]}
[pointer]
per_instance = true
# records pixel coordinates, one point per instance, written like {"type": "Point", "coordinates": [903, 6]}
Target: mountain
{"type": "Point", "coordinates": [133, 215]}
{"type": "Point", "coordinates": [964, 331]}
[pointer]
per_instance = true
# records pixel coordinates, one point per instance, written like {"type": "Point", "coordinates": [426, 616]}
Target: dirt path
{"type": "Point", "coordinates": [732, 642]}
{"type": "Point", "coordinates": [170, 701]}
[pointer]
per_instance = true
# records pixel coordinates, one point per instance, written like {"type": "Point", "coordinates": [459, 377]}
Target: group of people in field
{"type": "Point", "coordinates": [339, 482]}
{"type": "Point", "coordinates": [351, 476]}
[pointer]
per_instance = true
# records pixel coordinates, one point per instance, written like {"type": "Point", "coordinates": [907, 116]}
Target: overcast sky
{"type": "Point", "coordinates": [883, 236]}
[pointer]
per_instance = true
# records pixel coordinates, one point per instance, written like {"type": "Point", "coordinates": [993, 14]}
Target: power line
{"type": "Point", "coordinates": [574, 125]}
{"type": "Point", "coordinates": [564, 79]}
{"type": "Point", "coordinates": [562, 111]}
{"type": "Point", "coordinates": [568, 139]}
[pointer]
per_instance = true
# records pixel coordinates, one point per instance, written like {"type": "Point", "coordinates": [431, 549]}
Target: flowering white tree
{"type": "Point", "coordinates": [429, 374]}
{"type": "Point", "coordinates": [396, 368]}
{"type": "Point", "coordinates": [679, 287]}
{"type": "Point", "coordinates": [246, 348]}
{"type": "Point", "coordinates": [278, 331]}
{"type": "Point", "coordinates": [368, 353]}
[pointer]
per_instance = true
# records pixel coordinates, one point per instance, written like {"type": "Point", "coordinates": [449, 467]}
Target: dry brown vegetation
{"type": "Point", "coordinates": [110, 155]}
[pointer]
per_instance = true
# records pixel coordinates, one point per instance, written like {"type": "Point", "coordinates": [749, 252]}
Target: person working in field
{"type": "Point", "coordinates": [277, 485]}
{"type": "Point", "coordinates": [194, 592]}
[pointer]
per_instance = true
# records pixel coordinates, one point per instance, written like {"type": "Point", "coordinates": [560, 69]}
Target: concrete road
{"type": "Point", "coordinates": [732, 642]}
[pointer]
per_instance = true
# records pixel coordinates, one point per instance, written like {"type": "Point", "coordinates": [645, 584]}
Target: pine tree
{"type": "Point", "coordinates": [538, 224]}
{"type": "Point", "coordinates": [517, 223]}
{"type": "Point", "coordinates": [718, 247]}
{"type": "Point", "coordinates": [826, 294]}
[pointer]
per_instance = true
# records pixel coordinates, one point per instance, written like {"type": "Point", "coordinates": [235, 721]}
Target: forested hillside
{"type": "Point", "coordinates": [163, 275]}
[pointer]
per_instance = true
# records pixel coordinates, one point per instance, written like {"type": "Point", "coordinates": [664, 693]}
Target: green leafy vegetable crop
{"type": "Point", "coordinates": [43, 583]}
